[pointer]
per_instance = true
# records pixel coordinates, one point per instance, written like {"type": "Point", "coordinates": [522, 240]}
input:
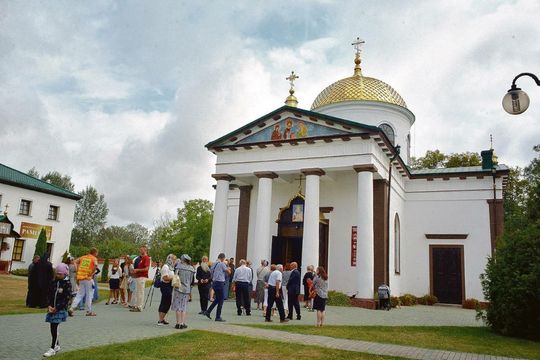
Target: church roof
{"type": "Point", "coordinates": [454, 170]}
{"type": "Point", "coordinates": [10, 176]}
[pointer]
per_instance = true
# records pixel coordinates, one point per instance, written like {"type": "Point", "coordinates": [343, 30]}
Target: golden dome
{"type": "Point", "coordinates": [358, 87]}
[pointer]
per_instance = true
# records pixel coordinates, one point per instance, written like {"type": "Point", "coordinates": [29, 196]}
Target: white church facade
{"type": "Point", "coordinates": [331, 187]}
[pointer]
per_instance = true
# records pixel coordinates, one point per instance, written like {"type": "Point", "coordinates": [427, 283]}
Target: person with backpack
{"type": "Point", "coordinates": [86, 267]}
{"type": "Point", "coordinates": [167, 273]}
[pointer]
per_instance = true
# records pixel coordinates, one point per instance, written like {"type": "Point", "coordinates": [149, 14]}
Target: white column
{"type": "Point", "coordinates": [364, 257]}
{"type": "Point", "coordinates": [261, 246]}
{"type": "Point", "coordinates": [219, 221]}
{"type": "Point", "coordinates": [310, 241]}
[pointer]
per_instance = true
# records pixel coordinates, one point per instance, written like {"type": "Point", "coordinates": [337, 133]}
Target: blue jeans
{"type": "Point", "coordinates": [218, 287]}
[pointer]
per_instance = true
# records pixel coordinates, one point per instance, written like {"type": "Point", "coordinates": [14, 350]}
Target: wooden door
{"type": "Point", "coordinates": [447, 273]}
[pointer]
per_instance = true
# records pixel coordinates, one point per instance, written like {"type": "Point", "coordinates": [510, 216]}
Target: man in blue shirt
{"type": "Point", "coordinates": [218, 271]}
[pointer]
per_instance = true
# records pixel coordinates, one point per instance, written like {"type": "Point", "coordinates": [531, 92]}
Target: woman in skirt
{"type": "Point", "coordinates": [59, 295]}
{"type": "Point", "coordinates": [262, 271]}
{"type": "Point", "coordinates": [114, 283]}
{"type": "Point", "coordinates": [320, 286]}
{"type": "Point", "coordinates": [167, 273]}
{"type": "Point", "coordinates": [185, 272]}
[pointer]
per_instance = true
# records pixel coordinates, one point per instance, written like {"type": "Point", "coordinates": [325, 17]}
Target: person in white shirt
{"type": "Point", "coordinates": [167, 273]}
{"type": "Point", "coordinates": [242, 279]}
{"type": "Point", "coordinates": [114, 283]}
{"type": "Point", "coordinates": [275, 294]}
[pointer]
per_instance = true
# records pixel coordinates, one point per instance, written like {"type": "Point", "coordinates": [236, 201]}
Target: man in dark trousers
{"type": "Point", "coordinates": [293, 290]}
{"type": "Point", "coordinates": [275, 294]}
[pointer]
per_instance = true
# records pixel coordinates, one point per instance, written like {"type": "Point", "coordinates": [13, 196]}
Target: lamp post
{"type": "Point", "coordinates": [516, 101]}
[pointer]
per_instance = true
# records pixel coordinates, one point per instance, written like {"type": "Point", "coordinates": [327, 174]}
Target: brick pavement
{"type": "Point", "coordinates": [27, 336]}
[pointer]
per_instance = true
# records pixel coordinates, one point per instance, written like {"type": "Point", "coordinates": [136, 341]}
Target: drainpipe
{"type": "Point", "coordinates": [396, 154]}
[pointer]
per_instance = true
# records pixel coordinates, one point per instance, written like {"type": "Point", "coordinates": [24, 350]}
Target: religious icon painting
{"type": "Point", "coordinates": [298, 213]}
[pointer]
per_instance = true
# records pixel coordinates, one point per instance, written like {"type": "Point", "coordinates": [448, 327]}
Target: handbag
{"type": "Point", "coordinates": [176, 282]}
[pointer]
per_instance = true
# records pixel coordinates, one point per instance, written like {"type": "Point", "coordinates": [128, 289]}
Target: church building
{"type": "Point", "coordinates": [331, 187]}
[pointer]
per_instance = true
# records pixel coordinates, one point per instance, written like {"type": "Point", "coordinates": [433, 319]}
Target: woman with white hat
{"type": "Point", "coordinates": [182, 289]}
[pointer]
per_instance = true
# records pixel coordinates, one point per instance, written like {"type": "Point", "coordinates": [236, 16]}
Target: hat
{"type": "Point", "coordinates": [185, 257]}
{"type": "Point", "coordinates": [62, 269]}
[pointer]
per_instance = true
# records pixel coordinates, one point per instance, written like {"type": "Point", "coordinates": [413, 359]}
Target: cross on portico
{"type": "Point", "coordinates": [302, 177]}
{"type": "Point", "coordinates": [6, 209]}
{"type": "Point", "coordinates": [357, 44]}
{"type": "Point", "coordinates": [292, 78]}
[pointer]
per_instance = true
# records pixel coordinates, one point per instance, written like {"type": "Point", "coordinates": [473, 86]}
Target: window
{"type": "Point", "coordinates": [18, 248]}
{"type": "Point", "coordinates": [25, 207]}
{"type": "Point", "coordinates": [53, 212]}
{"type": "Point", "coordinates": [397, 250]}
{"type": "Point", "coordinates": [389, 132]}
{"type": "Point", "coordinates": [50, 249]}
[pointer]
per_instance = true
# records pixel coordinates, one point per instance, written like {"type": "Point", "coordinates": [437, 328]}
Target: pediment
{"type": "Point", "coordinates": [289, 124]}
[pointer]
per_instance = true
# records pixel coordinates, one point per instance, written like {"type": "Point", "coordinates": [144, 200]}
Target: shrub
{"type": "Point", "coordinates": [408, 300]}
{"type": "Point", "coordinates": [471, 304]}
{"type": "Point", "coordinates": [510, 283]}
{"type": "Point", "coordinates": [336, 298]}
{"type": "Point", "coordinates": [105, 270]}
{"type": "Point", "coordinates": [41, 245]}
{"type": "Point", "coordinates": [428, 300]}
{"type": "Point", "coordinates": [20, 272]}
{"type": "Point", "coordinates": [394, 301]}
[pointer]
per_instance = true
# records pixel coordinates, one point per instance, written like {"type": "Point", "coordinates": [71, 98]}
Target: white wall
{"type": "Point", "coordinates": [61, 228]}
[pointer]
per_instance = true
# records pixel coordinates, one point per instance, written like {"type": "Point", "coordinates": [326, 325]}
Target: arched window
{"type": "Point", "coordinates": [389, 132]}
{"type": "Point", "coordinates": [397, 245]}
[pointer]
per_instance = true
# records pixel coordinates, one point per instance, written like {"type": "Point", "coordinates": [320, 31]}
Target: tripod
{"type": "Point", "coordinates": [151, 292]}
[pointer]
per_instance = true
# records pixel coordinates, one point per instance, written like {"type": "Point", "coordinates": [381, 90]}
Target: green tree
{"type": "Point", "coordinates": [159, 240]}
{"type": "Point", "coordinates": [90, 217]}
{"type": "Point", "coordinates": [114, 241]}
{"type": "Point", "coordinates": [41, 245]}
{"type": "Point", "coordinates": [55, 178]}
{"type": "Point", "coordinates": [511, 282]}
{"type": "Point", "coordinates": [436, 159]}
{"type": "Point", "coordinates": [189, 233]}
{"type": "Point", "coordinates": [105, 270]}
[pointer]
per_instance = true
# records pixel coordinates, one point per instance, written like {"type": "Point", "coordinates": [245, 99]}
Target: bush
{"type": "Point", "coordinates": [20, 272]}
{"type": "Point", "coordinates": [408, 300]}
{"type": "Point", "coordinates": [511, 283]}
{"type": "Point", "coordinates": [471, 304]}
{"type": "Point", "coordinates": [394, 301]}
{"type": "Point", "coordinates": [338, 299]}
{"type": "Point", "coordinates": [428, 300]}
{"type": "Point", "coordinates": [105, 271]}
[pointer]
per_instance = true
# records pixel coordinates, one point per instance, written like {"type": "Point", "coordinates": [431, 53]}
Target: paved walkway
{"type": "Point", "coordinates": [27, 336]}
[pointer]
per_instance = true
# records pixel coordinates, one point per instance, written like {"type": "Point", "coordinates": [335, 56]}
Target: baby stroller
{"type": "Point", "coordinates": [384, 297]}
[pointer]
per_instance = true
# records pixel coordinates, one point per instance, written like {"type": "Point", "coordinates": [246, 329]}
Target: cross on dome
{"type": "Point", "coordinates": [291, 79]}
{"type": "Point", "coordinates": [291, 99]}
{"type": "Point", "coordinates": [357, 44]}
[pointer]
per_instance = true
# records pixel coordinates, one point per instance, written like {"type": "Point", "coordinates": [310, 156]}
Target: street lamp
{"type": "Point", "coordinates": [516, 101]}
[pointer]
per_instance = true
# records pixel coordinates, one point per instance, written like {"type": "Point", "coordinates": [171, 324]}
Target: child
{"type": "Point", "coordinates": [59, 295]}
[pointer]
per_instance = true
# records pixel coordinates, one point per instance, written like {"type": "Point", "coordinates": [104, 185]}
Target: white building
{"type": "Point", "coordinates": [33, 204]}
{"type": "Point", "coordinates": [313, 187]}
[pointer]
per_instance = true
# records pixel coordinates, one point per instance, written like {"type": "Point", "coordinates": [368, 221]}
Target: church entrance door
{"type": "Point", "coordinates": [287, 245]}
{"type": "Point", "coordinates": [447, 273]}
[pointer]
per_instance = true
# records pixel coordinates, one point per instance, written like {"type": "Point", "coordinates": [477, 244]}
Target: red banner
{"type": "Point", "coordinates": [354, 238]}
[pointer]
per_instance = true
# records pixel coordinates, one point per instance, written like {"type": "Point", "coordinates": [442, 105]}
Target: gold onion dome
{"type": "Point", "coordinates": [358, 87]}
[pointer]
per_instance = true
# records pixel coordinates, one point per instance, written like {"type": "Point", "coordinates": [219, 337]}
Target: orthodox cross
{"type": "Point", "coordinates": [491, 141]}
{"type": "Point", "coordinates": [291, 79]}
{"type": "Point", "coordinates": [357, 45]}
{"type": "Point", "coordinates": [5, 211]}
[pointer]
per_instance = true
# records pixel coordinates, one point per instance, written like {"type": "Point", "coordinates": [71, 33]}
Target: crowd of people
{"type": "Point", "coordinates": [73, 286]}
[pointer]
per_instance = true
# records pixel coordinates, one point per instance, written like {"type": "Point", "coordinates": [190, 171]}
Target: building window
{"type": "Point", "coordinates": [18, 250]}
{"type": "Point", "coordinates": [25, 207]}
{"type": "Point", "coordinates": [389, 132]}
{"type": "Point", "coordinates": [397, 245]}
{"type": "Point", "coordinates": [53, 212]}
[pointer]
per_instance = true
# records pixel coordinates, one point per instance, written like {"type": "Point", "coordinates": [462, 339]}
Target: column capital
{"type": "Point", "coordinates": [313, 171]}
{"type": "Point", "coordinates": [265, 174]}
{"type": "Point", "coordinates": [366, 167]}
{"type": "Point", "coordinates": [225, 177]}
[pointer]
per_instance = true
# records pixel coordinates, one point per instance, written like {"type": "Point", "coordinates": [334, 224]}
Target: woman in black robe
{"type": "Point", "coordinates": [45, 274]}
{"type": "Point", "coordinates": [31, 297]}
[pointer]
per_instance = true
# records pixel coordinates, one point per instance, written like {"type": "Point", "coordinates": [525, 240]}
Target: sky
{"type": "Point", "coordinates": [123, 95]}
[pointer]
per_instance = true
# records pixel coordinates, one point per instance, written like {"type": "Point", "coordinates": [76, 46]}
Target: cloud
{"type": "Point", "coordinates": [125, 96]}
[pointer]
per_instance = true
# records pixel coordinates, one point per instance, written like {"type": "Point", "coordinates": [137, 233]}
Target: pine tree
{"type": "Point", "coordinates": [105, 270]}
{"type": "Point", "coordinates": [41, 245]}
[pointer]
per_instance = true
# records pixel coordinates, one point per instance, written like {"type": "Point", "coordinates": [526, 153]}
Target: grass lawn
{"type": "Point", "coordinates": [199, 345]}
{"type": "Point", "coordinates": [478, 340]}
{"type": "Point", "coordinates": [13, 296]}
